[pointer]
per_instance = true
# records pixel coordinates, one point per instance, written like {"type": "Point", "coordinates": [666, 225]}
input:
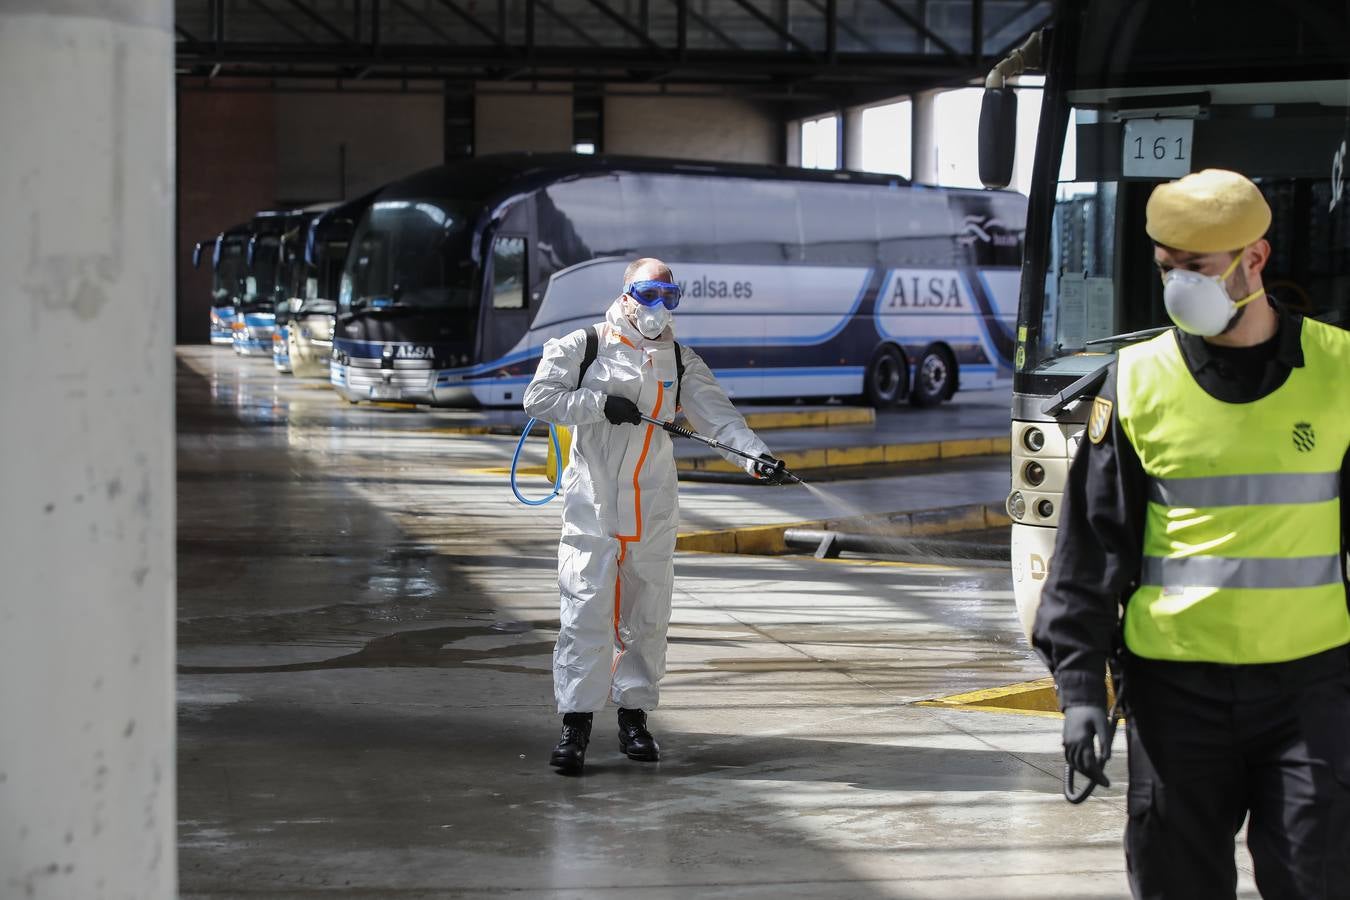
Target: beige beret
{"type": "Point", "coordinates": [1207, 212]}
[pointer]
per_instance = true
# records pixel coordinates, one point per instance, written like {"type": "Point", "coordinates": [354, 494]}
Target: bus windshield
{"type": "Point", "coordinates": [229, 273]}
{"type": "Point", "coordinates": [408, 255]}
{"type": "Point", "coordinates": [1131, 101]}
{"type": "Point", "coordinates": [1101, 289]}
{"type": "Point", "coordinates": [266, 260]}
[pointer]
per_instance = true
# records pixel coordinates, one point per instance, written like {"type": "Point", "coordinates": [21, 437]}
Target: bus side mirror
{"type": "Point", "coordinates": [196, 254]}
{"type": "Point", "coordinates": [998, 136]}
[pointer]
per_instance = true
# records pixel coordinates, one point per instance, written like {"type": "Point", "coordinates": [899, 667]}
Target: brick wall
{"type": "Point", "coordinates": [227, 170]}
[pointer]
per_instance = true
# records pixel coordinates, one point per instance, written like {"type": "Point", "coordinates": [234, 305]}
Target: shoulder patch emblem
{"type": "Point", "coordinates": [1099, 420]}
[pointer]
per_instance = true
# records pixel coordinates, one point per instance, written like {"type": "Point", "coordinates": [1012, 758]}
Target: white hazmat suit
{"type": "Point", "coordinates": [616, 566]}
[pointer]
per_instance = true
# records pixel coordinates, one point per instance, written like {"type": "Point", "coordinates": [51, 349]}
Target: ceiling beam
{"type": "Point", "coordinates": [473, 23]}
{"type": "Point", "coordinates": [320, 21]}
{"type": "Point", "coordinates": [769, 23]}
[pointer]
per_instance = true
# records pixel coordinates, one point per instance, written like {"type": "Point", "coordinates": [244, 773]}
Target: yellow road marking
{"type": "Point", "coordinates": [1026, 698]}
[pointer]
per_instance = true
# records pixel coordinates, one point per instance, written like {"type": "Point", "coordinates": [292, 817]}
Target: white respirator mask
{"type": "Point", "coordinates": [1200, 304]}
{"type": "Point", "coordinates": [650, 321]}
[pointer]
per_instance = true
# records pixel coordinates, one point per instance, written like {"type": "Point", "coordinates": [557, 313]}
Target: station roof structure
{"type": "Point", "coordinates": [824, 53]}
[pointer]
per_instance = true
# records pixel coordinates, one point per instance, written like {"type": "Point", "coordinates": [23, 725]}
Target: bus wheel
{"type": "Point", "coordinates": [886, 377]}
{"type": "Point", "coordinates": [935, 377]}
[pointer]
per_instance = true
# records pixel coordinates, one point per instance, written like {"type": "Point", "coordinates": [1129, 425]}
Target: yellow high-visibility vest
{"type": "Point", "coordinates": [1242, 538]}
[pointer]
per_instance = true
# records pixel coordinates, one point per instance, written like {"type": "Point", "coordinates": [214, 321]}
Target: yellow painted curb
{"type": "Point", "coordinates": [913, 452]}
{"type": "Point", "coordinates": [812, 418]}
{"type": "Point", "coordinates": [967, 447]}
{"type": "Point", "coordinates": [762, 421]}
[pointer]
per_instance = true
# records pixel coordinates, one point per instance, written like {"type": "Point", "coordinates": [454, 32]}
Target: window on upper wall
{"type": "Point", "coordinates": [820, 143]}
{"type": "Point", "coordinates": [509, 279]}
{"type": "Point", "coordinates": [887, 138]}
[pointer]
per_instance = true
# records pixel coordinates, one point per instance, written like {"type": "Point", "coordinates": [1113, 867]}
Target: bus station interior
{"type": "Point", "coordinates": [263, 640]}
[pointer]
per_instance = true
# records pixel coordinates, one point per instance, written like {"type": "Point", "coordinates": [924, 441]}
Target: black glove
{"type": "Point", "coordinates": [1084, 727]}
{"type": "Point", "coordinates": [622, 411]}
{"type": "Point", "coordinates": [770, 469]}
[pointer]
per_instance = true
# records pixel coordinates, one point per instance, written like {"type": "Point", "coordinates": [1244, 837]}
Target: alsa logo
{"type": "Point", "coordinates": [917, 292]}
{"type": "Point", "coordinates": [985, 230]}
{"type": "Point", "coordinates": [409, 351]}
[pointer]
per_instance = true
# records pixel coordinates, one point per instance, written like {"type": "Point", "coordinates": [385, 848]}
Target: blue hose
{"type": "Point", "coordinates": [515, 461]}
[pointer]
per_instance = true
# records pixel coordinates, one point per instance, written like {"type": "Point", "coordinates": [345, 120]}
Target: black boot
{"type": "Point", "coordinates": [570, 755]}
{"type": "Point", "coordinates": [634, 738]}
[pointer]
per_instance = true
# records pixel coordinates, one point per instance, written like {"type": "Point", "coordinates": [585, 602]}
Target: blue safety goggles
{"type": "Point", "coordinates": [650, 293]}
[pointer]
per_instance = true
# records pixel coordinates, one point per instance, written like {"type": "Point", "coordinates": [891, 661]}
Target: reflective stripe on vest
{"type": "Point", "coordinates": [1245, 490]}
{"type": "Point", "coordinates": [1174, 573]}
{"type": "Point", "coordinates": [1242, 544]}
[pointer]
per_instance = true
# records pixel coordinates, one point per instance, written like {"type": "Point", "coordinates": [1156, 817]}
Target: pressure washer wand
{"type": "Point", "coordinates": [677, 431]}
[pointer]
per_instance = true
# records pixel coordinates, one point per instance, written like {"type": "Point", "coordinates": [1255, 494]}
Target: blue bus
{"type": "Point", "coordinates": [256, 309]}
{"type": "Point", "coordinates": [227, 250]}
{"type": "Point", "coordinates": [797, 283]}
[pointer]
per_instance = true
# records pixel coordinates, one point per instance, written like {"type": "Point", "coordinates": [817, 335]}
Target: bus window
{"type": "Point", "coordinates": [509, 279]}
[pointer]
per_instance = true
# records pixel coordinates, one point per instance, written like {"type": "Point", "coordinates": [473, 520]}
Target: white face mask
{"type": "Point", "coordinates": [650, 321]}
{"type": "Point", "coordinates": [1200, 304]}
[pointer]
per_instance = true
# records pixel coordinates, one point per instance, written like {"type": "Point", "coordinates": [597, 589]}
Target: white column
{"type": "Point", "coordinates": [86, 450]}
{"type": "Point", "coordinates": [925, 138]}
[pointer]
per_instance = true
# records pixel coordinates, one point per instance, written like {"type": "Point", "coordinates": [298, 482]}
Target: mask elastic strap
{"type": "Point", "coordinates": [1238, 304]}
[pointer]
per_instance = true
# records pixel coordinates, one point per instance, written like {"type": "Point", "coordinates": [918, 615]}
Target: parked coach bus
{"type": "Point", "coordinates": [294, 279]}
{"type": "Point", "coordinates": [227, 250]}
{"type": "Point", "coordinates": [1128, 104]}
{"type": "Point", "coordinates": [255, 313]}
{"type": "Point", "coordinates": [313, 273]}
{"type": "Point", "coordinates": [796, 283]}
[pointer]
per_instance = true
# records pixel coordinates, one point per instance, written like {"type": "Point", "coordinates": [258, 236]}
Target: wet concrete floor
{"type": "Point", "coordinates": [365, 702]}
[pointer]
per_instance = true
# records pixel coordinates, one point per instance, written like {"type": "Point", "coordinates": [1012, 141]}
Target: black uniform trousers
{"type": "Point", "coordinates": [1210, 745]}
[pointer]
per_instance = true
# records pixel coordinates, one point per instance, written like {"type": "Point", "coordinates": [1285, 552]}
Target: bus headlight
{"type": "Point", "coordinates": [1017, 505]}
{"type": "Point", "coordinates": [1033, 439]}
{"type": "Point", "coordinates": [1034, 473]}
{"type": "Point", "coordinates": [1045, 509]}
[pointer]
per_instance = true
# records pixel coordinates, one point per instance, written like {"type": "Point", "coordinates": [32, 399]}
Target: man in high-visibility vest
{"type": "Point", "coordinates": [1207, 498]}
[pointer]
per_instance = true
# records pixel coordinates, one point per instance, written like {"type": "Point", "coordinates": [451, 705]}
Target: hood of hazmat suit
{"type": "Point", "coordinates": [620, 505]}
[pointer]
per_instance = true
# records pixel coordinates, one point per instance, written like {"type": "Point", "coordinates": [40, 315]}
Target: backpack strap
{"type": "Point", "coordinates": [592, 350]}
{"type": "Point", "coordinates": [679, 373]}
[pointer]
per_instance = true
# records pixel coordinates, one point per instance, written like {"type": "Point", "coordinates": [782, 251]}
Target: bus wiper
{"type": "Point", "coordinates": [1128, 336]}
{"type": "Point", "coordinates": [1088, 384]}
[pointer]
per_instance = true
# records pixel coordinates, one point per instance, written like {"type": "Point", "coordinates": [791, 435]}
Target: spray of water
{"type": "Point", "coordinates": [882, 531]}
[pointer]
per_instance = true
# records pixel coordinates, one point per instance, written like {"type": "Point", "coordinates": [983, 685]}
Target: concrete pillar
{"type": "Point", "coordinates": [852, 129]}
{"type": "Point", "coordinates": [925, 138]}
{"type": "Point", "coordinates": [86, 450]}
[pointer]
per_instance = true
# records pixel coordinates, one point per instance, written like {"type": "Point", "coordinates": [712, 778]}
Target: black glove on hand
{"type": "Point", "coordinates": [1084, 727]}
{"type": "Point", "coordinates": [770, 469]}
{"type": "Point", "coordinates": [622, 411]}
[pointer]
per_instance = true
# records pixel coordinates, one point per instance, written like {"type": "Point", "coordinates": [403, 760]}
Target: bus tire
{"type": "Point", "coordinates": [934, 377]}
{"type": "Point", "coordinates": [887, 377]}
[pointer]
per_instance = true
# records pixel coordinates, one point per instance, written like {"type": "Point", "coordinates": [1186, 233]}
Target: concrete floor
{"type": "Point", "coordinates": [366, 710]}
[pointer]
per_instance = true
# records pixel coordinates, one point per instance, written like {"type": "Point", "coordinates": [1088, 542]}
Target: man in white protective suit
{"type": "Point", "coordinates": [620, 508]}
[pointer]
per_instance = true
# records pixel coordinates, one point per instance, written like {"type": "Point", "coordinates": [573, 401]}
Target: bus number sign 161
{"type": "Point", "coordinates": [1157, 148]}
